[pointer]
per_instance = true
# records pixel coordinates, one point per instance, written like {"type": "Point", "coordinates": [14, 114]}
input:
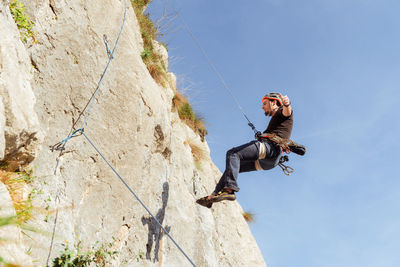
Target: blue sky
{"type": "Point", "coordinates": [339, 62]}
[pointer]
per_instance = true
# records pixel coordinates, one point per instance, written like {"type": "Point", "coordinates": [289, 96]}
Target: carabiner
{"type": "Point", "coordinates": [286, 169]}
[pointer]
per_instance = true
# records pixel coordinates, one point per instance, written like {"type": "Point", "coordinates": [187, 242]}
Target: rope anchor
{"type": "Point", "coordinates": [60, 146]}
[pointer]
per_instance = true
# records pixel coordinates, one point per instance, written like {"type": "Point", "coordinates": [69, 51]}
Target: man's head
{"type": "Point", "coordinates": [271, 103]}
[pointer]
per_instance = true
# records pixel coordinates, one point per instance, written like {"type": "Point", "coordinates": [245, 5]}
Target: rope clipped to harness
{"type": "Point", "coordinates": [283, 143]}
{"type": "Point", "coordinates": [287, 146]}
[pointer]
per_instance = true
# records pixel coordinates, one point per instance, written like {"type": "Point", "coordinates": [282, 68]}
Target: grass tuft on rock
{"type": "Point", "coordinates": [149, 34]}
{"type": "Point", "coordinates": [187, 114]}
{"type": "Point", "coordinates": [24, 24]}
{"type": "Point", "coordinates": [197, 152]}
{"type": "Point", "coordinates": [97, 256]}
{"type": "Point", "coordinates": [158, 70]}
{"type": "Point", "coordinates": [248, 216]}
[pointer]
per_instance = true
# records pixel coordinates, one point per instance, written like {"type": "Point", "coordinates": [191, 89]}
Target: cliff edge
{"type": "Point", "coordinates": [44, 87]}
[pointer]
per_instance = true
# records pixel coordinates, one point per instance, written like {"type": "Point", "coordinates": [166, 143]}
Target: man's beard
{"type": "Point", "coordinates": [268, 113]}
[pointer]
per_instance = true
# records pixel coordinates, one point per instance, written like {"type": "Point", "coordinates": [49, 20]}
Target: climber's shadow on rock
{"type": "Point", "coordinates": [155, 231]}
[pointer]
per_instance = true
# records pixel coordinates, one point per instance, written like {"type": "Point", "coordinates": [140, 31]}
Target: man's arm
{"type": "Point", "coordinates": [287, 108]}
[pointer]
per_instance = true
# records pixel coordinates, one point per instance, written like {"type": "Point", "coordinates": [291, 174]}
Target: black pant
{"type": "Point", "coordinates": [242, 159]}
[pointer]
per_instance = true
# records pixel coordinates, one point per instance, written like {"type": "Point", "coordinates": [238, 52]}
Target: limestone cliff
{"type": "Point", "coordinates": [45, 85]}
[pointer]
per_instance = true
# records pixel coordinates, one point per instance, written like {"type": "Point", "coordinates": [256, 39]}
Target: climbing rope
{"type": "Point", "coordinates": [60, 146]}
{"type": "Point", "coordinates": [285, 144]}
{"type": "Point", "coordinates": [217, 73]}
{"type": "Point", "coordinates": [54, 231]}
{"type": "Point", "coordinates": [138, 199]}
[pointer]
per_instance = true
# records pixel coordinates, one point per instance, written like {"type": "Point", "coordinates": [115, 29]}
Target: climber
{"type": "Point", "coordinates": [260, 154]}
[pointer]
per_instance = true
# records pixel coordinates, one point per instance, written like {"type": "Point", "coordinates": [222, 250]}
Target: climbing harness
{"type": "Point", "coordinates": [60, 146]}
{"type": "Point", "coordinates": [286, 146]}
{"type": "Point", "coordinates": [262, 153]}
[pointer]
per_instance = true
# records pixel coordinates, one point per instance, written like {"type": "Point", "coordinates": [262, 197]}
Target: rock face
{"type": "Point", "coordinates": [133, 125]}
{"type": "Point", "coordinates": [19, 124]}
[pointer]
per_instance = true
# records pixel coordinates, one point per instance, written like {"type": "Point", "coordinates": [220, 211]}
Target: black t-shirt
{"type": "Point", "coordinates": [280, 124]}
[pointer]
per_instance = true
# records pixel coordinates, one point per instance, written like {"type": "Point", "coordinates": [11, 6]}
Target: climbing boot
{"type": "Point", "coordinates": [222, 195]}
{"type": "Point", "coordinates": [204, 201]}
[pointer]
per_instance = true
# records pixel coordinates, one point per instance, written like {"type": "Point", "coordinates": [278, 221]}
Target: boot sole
{"type": "Point", "coordinates": [222, 198]}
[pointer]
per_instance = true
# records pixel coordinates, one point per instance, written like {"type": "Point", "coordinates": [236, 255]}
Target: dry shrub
{"type": "Point", "coordinates": [186, 113]}
{"type": "Point", "coordinates": [178, 100]}
{"type": "Point", "coordinates": [16, 184]}
{"type": "Point", "coordinates": [248, 216]}
{"type": "Point", "coordinates": [157, 73]}
{"type": "Point", "coordinates": [13, 184]}
{"type": "Point", "coordinates": [200, 128]}
{"type": "Point", "coordinates": [197, 152]}
{"type": "Point", "coordinates": [149, 33]}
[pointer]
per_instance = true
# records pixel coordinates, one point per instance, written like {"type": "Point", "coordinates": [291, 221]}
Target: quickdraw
{"type": "Point", "coordinates": [286, 169]}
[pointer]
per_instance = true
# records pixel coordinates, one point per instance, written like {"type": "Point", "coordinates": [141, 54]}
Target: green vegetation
{"type": "Point", "coordinates": [149, 33]}
{"type": "Point", "coordinates": [158, 70]}
{"type": "Point", "coordinates": [77, 258]}
{"type": "Point", "coordinates": [140, 256]}
{"type": "Point", "coordinates": [25, 25]}
{"type": "Point", "coordinates": [186, 113]}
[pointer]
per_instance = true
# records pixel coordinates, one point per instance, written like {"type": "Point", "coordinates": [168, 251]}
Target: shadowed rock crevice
{"type": "Point", "coordinates": [158, 134]}
{"type": "Point", "coordinates": [52, 7]}
{"type": "Point", "coordinates": [155, 232]}
{"type": "Point", "coordinates": [20, 149]}
{"type": "Point", "coordinates": [167, 153]}
{"type": "Point", "coordinates": [160, 145]}
{"type": "Point", "coordinates": [19, 124]}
